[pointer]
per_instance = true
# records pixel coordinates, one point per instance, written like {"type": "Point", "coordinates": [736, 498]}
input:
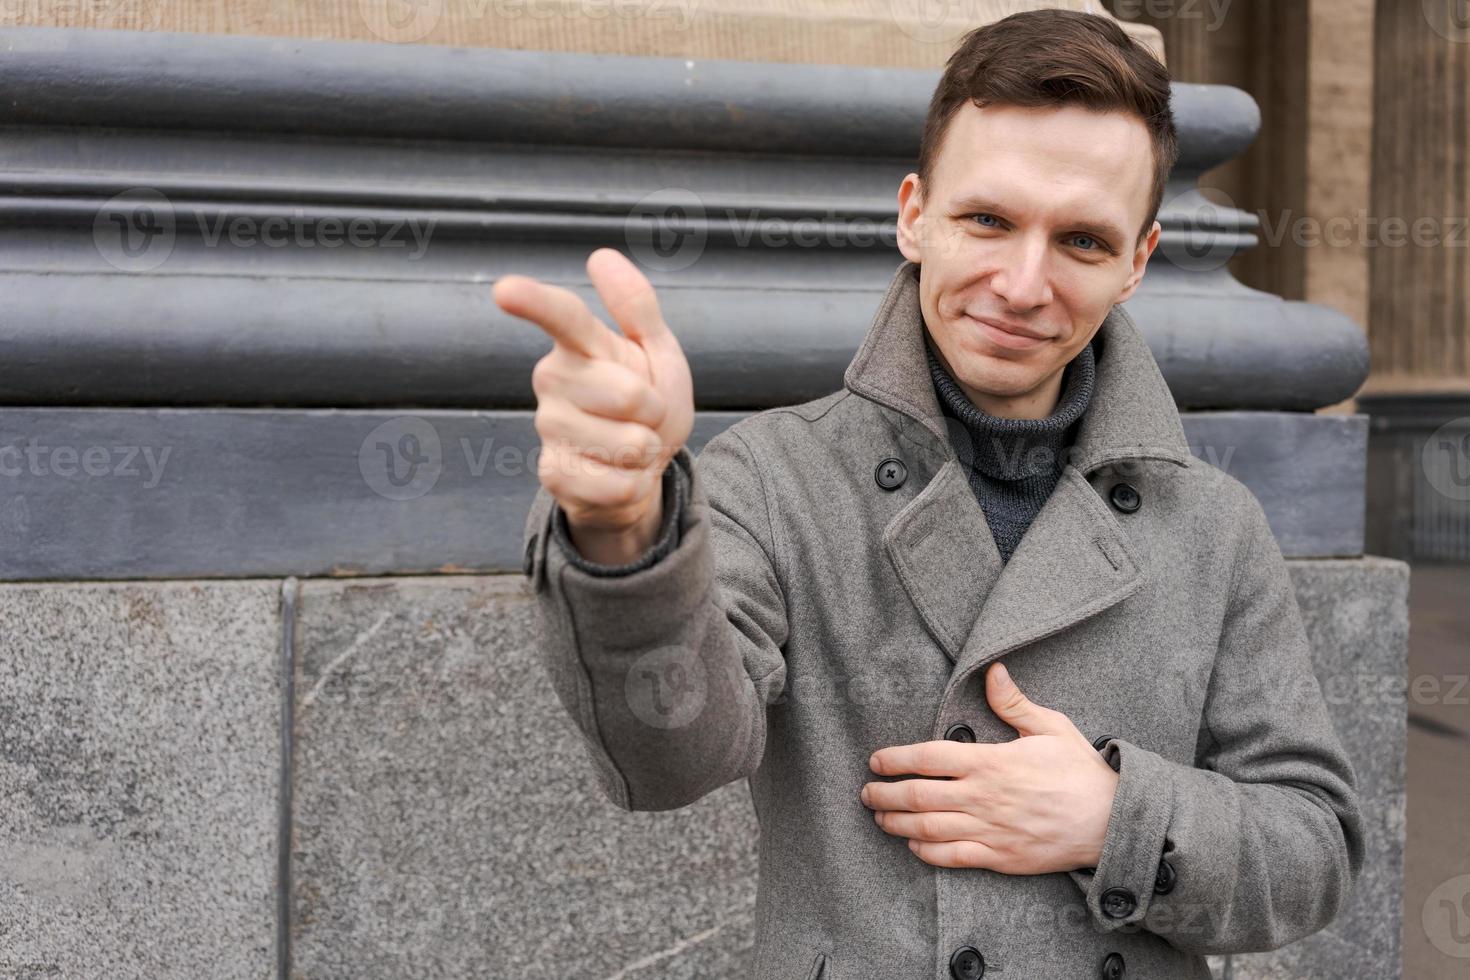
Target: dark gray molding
{"type": "Point", "coordinates": [353, 88]}
{"type": "Point", "coordinates": [1309, 472]}
{"type": "Point", "coordinates": [1223, 345]}
{"type": "Point", "coordinates": [194, 493]}
{"type": "Point", "coordinates": [525, 162]}
{"type": "Point", "coordinates": [161, 80]}
{"type": "Point", "coordinates": [230, 340]}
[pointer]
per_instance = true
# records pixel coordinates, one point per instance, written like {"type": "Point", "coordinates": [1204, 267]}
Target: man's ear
{"type": "Point", "coordinates": [910, 218]}
{"type": "Point", "coordinates": [1141, 253]}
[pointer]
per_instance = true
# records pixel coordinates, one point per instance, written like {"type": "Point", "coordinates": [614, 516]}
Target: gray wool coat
{"type": "Point", "coordinates": [808, 616]}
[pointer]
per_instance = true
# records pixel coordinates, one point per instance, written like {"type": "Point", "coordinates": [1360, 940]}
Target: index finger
{"type": "Point", "coordinates": [558, 311]}
{"type": "Point", "coordinates": [940, 757]}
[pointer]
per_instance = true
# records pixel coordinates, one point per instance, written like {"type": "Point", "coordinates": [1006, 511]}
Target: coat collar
{"type": "Point", "coordinates": [1076, 559]}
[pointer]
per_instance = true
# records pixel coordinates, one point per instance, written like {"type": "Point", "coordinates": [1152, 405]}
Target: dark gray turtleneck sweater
{"type": "Point", "coordinates": [1014, 464]}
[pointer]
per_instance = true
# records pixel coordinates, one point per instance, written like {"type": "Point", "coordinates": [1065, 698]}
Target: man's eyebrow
{"type": "Point", "coordinates": [1099, 229]}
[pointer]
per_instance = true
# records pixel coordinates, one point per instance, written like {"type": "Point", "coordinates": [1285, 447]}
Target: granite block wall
{"type": "Point", "coordinates": [443, 818]}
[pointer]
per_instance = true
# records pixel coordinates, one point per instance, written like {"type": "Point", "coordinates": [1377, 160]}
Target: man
{"type": "Point", "coordinates": [1020, 686]}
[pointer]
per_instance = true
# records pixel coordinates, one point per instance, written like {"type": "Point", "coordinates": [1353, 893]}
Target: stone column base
{"type": "Point", "coordinates": [441, 812]}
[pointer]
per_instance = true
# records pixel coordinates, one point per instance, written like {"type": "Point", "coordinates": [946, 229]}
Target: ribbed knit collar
{"type": "Point", "coordinates": [1015, 449]}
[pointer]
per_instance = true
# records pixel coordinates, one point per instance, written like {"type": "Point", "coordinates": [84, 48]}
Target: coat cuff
{"type": "Point", "coordinates": [675, 494]}
{"type": "Point", "coordinates": [1132, 867]}
{"type": "Point", "coordinates": [643, 602]}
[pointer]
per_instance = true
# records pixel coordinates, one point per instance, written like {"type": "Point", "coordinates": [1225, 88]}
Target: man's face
{"type": "Point", "coordinates": [1030, 222]}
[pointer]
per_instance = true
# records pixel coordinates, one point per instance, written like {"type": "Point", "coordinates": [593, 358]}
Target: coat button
{"type": "Point", "coordinates": [1113, 967]}
{"type": "Point", "coordinates": [1101, 742]}
{"type": "Point", "coordinates": [967, 964]}
{"type": "Point", "coordinates": [1125, 497]}
{"type": "Point", "coordinates": [960, 732]}
{"type": "Point", "coordinates": [1118, 903]}
{"type": "Point", "coordinates": [891, 473]}
{"type": "Point", "coordinates": [1164, 880]}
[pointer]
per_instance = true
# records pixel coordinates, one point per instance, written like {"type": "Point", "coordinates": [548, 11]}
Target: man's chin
{"type": "Point", "coordinates": [998, 376]}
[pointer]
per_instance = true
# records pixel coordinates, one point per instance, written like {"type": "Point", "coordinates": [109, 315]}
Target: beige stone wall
{"type": "Point", "coordinates": [1309, 175]}
{"type": "Point", "coordinates": [1305, 64]}
{"type": "Point", "coordinates": [888, 33]}
{"type": "Point", "coordinates": [1420, 308]}
{"type": "Point", "coordinates": [1364, 110]}
{"type": "Point", "coordinates": [1259, 46]}
{"type": "Point", "coordinates": [1339, 150]}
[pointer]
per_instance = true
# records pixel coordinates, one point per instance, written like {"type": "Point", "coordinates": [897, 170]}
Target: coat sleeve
{"type": "Point", "coordinates": [1261, 841]}
{"type": "Point", "coordinates": [666, 670]}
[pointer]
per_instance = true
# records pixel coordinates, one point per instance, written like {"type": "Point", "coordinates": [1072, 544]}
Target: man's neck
{"type": "Point", "coordinates": [1037, 403]}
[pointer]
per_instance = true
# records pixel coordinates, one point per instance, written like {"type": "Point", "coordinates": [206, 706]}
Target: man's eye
{"type": "Point", "coordinates": [984, 218]}
{"type": "Point", "coordinates": [1093, 243]}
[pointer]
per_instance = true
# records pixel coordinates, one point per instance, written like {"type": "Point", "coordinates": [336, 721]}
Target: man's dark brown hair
{"type": "Point", "coordinates": [1052, 58]}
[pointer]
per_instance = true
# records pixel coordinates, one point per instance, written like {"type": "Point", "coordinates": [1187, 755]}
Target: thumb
{"type": "Point", "coordinates": [1017, 710]}
{"type": "Point", "coordinates": [628, 296]}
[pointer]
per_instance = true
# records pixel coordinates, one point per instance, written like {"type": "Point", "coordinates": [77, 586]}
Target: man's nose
{"type": "Point", "coordinates": [1024, 281]}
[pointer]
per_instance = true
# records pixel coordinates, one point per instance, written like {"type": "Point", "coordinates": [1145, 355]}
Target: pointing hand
{"type": "Point", "coordinates": [611, 409]}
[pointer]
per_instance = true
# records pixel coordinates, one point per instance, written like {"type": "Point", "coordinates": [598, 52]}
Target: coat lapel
{"type": "Point", "coordinates": [1075, 560]}
{"type": "Point", "coordinates": [939, 544]}
{"type": "Point", "coordinates": [945, 555]}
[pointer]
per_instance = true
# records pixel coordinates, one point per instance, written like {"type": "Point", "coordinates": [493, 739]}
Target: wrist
{"type": "Point", "coordinates": [618, 546]}
{"type": "Point", "coordinates": [1093, 853]}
